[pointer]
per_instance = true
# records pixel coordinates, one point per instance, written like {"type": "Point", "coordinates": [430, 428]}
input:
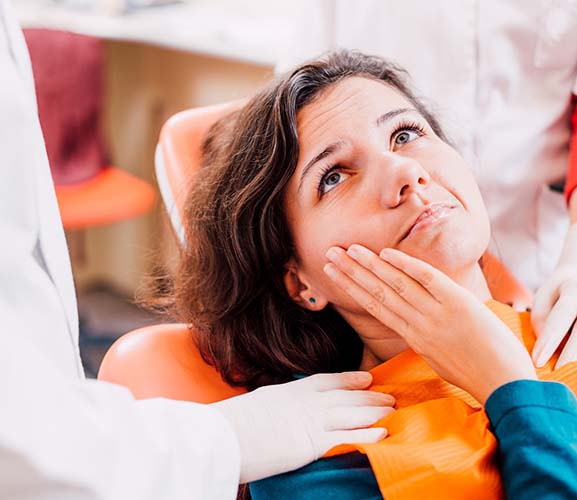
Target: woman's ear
{"type": "Point", "coordinates": [300, 291]}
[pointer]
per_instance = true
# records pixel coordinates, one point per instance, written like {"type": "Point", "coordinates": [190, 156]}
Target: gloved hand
{"type": "Point", "coordinates": [283, 427]}
{"type": "Point", "coordinates": [555, 307]}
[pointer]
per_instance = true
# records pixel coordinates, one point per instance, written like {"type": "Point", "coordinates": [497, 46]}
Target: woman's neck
{"type": "Point", "coordinates": [382, 343]}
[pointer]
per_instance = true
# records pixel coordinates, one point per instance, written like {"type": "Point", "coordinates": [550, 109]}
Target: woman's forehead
{"type": "Point", "coordinates": [350, 99]}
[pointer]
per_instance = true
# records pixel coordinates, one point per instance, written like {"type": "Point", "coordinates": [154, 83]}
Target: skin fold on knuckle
{"type": "Point", "coordinates": [426, 278]}
{"type": "Point", "coordinates": [374, 308]}
{"type": "Point", "coordinates": [351, 272]}
{"type": "Point", "coordinates": [374, 264]}
{"type": "Point", "coordinates": [380, 294]}
{"type": "Point", "coordinates": [406, 330]}
{"type": "Point", "coordinates": [399, 286]}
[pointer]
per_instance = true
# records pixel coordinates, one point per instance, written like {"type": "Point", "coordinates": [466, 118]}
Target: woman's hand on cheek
{"type": "Point", "coordinates": [460, 338]}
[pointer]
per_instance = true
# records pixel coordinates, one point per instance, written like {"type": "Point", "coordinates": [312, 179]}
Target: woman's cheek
{"type": "Point", "coordinates": [313, 246]}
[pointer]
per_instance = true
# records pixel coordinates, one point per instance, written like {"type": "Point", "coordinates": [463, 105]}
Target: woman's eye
{"type": "Point", "coordinates": [331, 180]}
{"type": "Point", "coordinates": [405, 136]}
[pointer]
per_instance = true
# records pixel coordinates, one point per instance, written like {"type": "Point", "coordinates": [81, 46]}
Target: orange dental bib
{"type": "Point", "coordinates": [439, 443]}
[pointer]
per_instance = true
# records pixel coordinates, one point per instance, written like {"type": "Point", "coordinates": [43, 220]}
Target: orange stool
{"type": "Point", "coordinates": [112, 195]}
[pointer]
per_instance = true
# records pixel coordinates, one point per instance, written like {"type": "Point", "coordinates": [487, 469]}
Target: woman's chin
{"type": "Point", "coordinates": [450, 257]}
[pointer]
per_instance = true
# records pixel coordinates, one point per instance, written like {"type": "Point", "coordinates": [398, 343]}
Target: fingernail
{"type": "Point", "coordinates": [364, 377]}
{"type": "Point", "coordinates": [391, 400]}
{"type": "Point", "coordinates": [332, 253]}
{"type": "Point", "coordinates": [353, 251]}
{"type": "Point", "coordinates": [385, 252]}
{"type": "Point", "coordinates": [388, 411]}
{"type": "Point", "coordinates": [330, 271]}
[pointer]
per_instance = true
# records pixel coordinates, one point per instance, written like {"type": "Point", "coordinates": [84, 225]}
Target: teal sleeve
{"type": "Point", "coordinates": [345, 477]}
{"type": "Point", "coordinates": [536, 426]}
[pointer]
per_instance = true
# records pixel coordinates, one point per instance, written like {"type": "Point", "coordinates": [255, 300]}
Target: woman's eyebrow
{"type": "Point", "coordinates": [389, 115]}
{"type": "Point", "coordinates": [335, 146]}
{"type": "Point", "coordinates": [329, 150]}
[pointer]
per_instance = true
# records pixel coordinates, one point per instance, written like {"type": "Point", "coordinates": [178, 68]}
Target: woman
{"type": "Point", "coordinates": [334, 228]}
{"type": "Point", "coordinates": [503, 77]}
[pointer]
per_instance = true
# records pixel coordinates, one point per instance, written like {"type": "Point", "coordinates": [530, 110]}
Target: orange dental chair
{"type": "Point", "coordinates": [163, 360]}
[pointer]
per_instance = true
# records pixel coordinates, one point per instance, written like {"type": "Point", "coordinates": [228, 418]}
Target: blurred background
{"type": "Point", "coordinates": [108, 74]}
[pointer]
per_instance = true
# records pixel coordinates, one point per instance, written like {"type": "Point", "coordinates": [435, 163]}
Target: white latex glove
{"type": "Point", "coordinates": [283, 427]}
{"type": "Point", "coordinates": [555, 307]}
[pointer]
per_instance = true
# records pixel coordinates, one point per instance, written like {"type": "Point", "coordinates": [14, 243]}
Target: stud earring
{"type": "Point", "coordinates": [312, 300]}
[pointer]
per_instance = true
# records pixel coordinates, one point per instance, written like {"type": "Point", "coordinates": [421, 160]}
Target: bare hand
{"type": "Point", "coordinates": [460, 338]}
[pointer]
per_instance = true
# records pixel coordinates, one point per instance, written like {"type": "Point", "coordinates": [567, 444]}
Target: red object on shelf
{"type": "Point", "coordinates": [68, 74]}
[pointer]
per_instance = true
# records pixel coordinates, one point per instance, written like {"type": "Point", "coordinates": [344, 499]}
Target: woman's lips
{"type": "Point", "coordinates": [430, 215]}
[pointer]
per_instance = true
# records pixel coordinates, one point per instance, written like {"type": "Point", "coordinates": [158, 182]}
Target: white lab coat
{"type": "Point", "coordinates": [63, 437]}
{"type": "Point", "coordinates": [499, 74]}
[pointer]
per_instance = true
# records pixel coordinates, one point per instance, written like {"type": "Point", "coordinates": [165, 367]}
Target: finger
{"type": "Point", "coordinates": [335, 438]}
{"type": "Point", "coordinates": [439, 285]}
{"type": "Point", "coordinates": [332, 381]}
{"type": "Point", "coordinates": [556, 327]}
{"type": "Point", "coordinates": [402, 284]}
{"type": "Point", "coordinates": [355, 418]}
{"type": "Point", "coordinates": [374, 307]}
{"type": "Point", "coordinates": [371, 283]}
{"type": "Point", "coordinates": [341, 398]}
{"type": "Point", "coordinates": [543, 302]}
{"type": "Point", "coordinates": [569, 352]}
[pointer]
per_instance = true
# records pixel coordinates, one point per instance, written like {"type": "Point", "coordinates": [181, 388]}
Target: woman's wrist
{"type": "Point", "coordinates": [494, 383]}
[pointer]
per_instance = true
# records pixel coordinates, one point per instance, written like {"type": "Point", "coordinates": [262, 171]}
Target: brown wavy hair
{"type": "Point", "coordinates": [229, 285]}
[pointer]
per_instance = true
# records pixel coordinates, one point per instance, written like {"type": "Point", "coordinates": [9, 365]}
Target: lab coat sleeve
{"type": "Point", "coordinates": [75, 439]}
{"type": "Point", "coordinates": [62, 437]}
{"type": "Point", "coordinates": [571, 182]}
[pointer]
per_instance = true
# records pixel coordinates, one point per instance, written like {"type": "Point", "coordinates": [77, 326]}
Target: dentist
{"type": "Point", "coordinates": [63, 437]}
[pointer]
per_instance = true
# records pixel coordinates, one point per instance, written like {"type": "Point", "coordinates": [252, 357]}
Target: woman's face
{"type": "Point", "coordinates": [371, 171]}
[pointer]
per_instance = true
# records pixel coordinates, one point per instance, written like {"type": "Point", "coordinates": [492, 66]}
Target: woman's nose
{"type": "Point", "coordinates": [402, 177]}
